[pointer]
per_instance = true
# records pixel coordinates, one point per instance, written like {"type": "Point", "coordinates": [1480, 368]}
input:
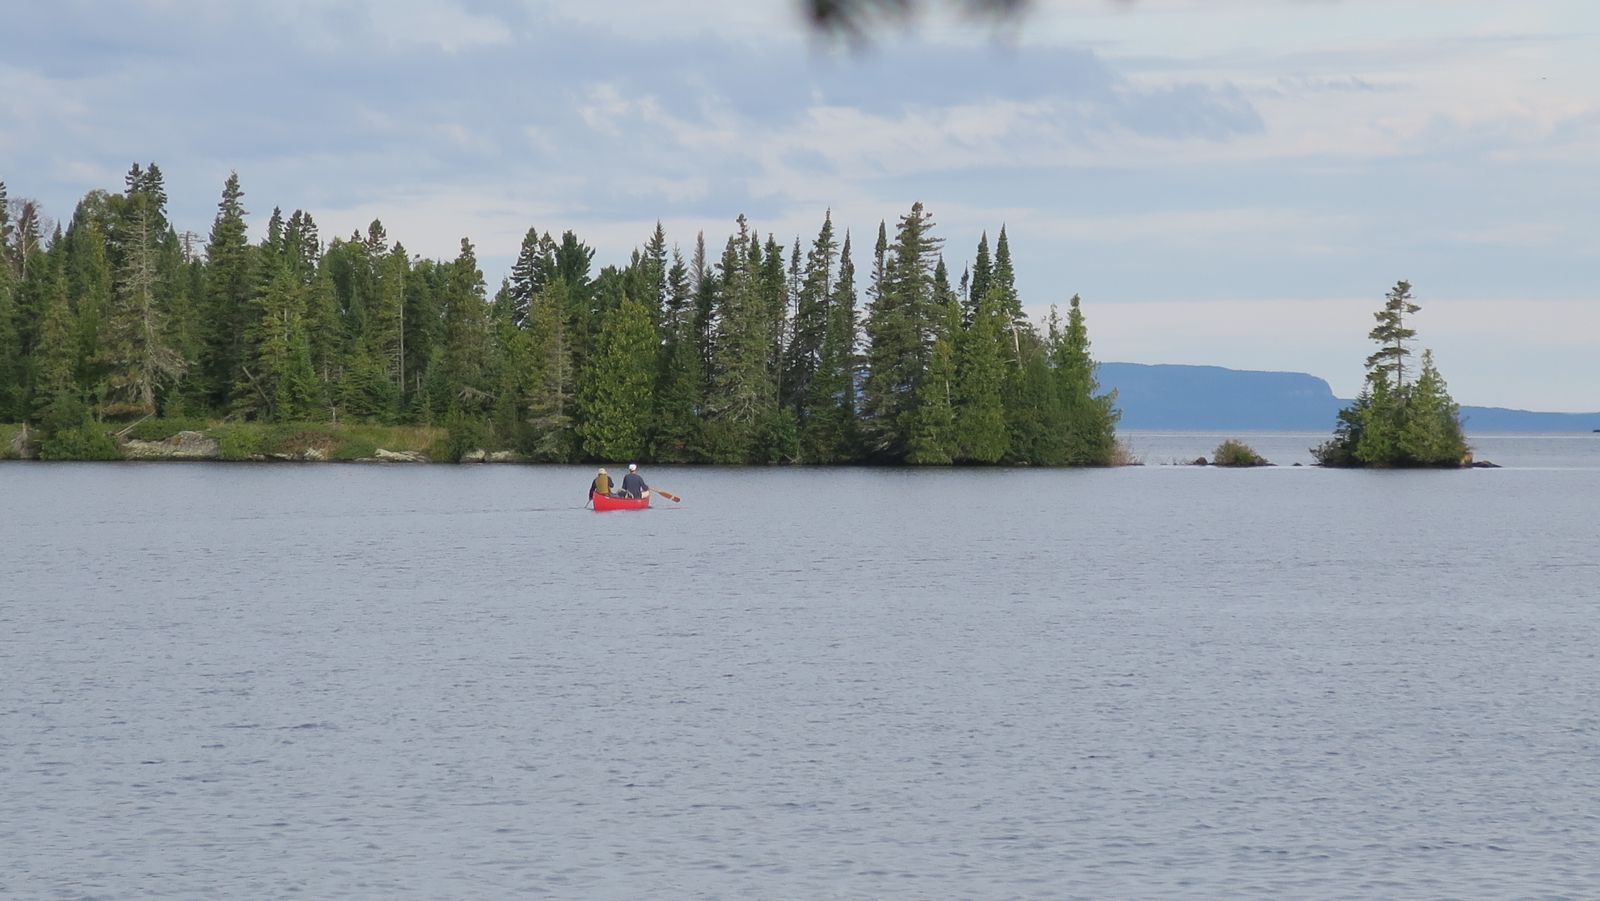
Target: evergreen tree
{"type": "Point", "coordinates": [615, 400]}
{"type": "Point", "coordinates": [1393, 423]}
{"type": "Point", "coordinates": [54, 359]}
{"type": "Point", "coordinates": [88, 278]}
{"type": "Point", "coordinates": [1088, 432]}
{"type": "Point", "coordinates": [11, 359]}
{"type": "Point", "coordinates": [933, 438]}
{"type": "Point", "coordinates": [811, 306]}
{"type": "Point", "coordinates": [1431, 435]}
{"type": "Point", "coordinates": [828, 432]}
{"type": "Point", "coordinates": [982, 270]}
{"type": "Point", "coordinates": [676, 435]}
{"type": "Point", "coordinates": [466, 338]}
{"type": "Point", "coordinates": [1004, 282]}
{"type": "Point", "coordinates": [138, 360]}
{"type": "Point", "coordinates": [1389, 360]}
{"type": "Point", "coordinates": [981, 435]}
{"type": "Point", "coordinates": [532, 270]}
{"type": "Point", "coordinates": [228, 289]}
{"type": "Point", "coordinates": [553, 403]}
{"type": "Point", "coordinates": [899, 336]}
{"type": "Point", "coordinates": [743, 392]}
{"type": "Point", "coordinates": [279, 382]}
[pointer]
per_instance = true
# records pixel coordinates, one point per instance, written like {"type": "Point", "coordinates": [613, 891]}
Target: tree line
{"type": "Point", "coordinates": [760, 354]}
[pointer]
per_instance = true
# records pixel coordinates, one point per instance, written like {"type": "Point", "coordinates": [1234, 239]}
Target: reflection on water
{"type": "Point", "coordinates": [445, 682]}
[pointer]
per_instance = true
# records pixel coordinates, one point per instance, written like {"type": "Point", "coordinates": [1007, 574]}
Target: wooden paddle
{"type": "Point", "coordinates": [667, 494]}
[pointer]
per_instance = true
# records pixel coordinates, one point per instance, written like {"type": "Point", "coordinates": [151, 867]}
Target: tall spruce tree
{"type": "Point", "coordinates": [933, 438]}
{"type": "Point", "coordinates": [675, 437]}
{"type": "Point", "coordinates": [743, 392]}
{"type": "Point", "coordinates": [899, 334]}
{"type": "Point", "coordinates": [136, 356]}
{"type": "Point", "coordinates": [229, 283]}
{"type": "Point", "coordinates": [54, 359]}
{"type": "Point", "coordinates": [616, 398]}
{"type": "Point", "coordinates": [466, 333]}
{"type": "Point", "coordinates": [981, 435]}
{"type": "Point", "coordinates": [1090, 415]}
{"type": "Point", "coordinates": [982, 272]}
{"type": "Point", "coordinates": [812, 298]}
{"type": "Point", "coordinates": [828, 433]}
{"type": "Point", "coordinates": [1431, 434]}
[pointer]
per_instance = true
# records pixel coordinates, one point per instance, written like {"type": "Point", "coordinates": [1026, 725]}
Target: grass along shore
{"type": "Point", "coordinates": [193, 439]}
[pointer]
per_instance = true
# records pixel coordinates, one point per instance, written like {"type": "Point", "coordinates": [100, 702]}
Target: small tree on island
{"type": "Point", "coordinates": [1393, 422]}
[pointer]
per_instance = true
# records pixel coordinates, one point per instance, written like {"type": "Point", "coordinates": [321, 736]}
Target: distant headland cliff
{"type": "Point", "coordinates": [1168, 396]}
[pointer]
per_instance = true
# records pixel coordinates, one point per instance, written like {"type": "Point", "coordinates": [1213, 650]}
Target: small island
{"type": "Point", "coordinates": [1395, 422]}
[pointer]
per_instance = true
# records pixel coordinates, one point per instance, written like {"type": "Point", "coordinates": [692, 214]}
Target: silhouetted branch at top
{"type": "Point", "coordinates": [854, 19]}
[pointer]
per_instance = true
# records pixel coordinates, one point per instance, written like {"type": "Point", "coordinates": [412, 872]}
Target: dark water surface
{"type": "Point", "coordinates": [449, 682]}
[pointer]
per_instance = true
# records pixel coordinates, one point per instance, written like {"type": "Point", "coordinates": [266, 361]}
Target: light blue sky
{"type": "Point", "coordinates": [1229, 182]}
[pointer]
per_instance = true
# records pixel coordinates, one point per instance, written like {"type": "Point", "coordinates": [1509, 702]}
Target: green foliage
{"type": "Point", "coordinates": [463, 435]}
{"type": "Point", "coordinates": [71, 433]}
{"type": "Point", "coordinates": [981, 435]}
{"type": "Point", "coordinates": [312, 348]}
{"type": "Point", "coordinates": [8, 433]}
{"type": "Point", "coordinates": [1392, 422]}
{"type": "Point", "coordinates": [1234, 452]}
{"type": "Point", "coordinates": [616, 400]}
{"type": "Point", "coordinates": [87, 441]}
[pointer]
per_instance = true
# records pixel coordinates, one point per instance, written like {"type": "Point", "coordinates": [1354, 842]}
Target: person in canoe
{"type": "Point", "coordinates": [633, 484]}
{"type": "Point", "coordinates": [601, 484]}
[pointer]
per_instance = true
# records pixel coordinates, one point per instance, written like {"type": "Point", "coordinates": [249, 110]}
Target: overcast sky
{"type": "Point", "coordinates": [1227, 182]}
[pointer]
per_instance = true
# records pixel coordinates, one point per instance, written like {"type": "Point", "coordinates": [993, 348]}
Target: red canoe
{"type": "Point", "coordinates": [603, 503]}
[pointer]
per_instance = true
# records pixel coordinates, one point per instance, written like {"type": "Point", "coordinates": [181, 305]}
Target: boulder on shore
{"type": "Point", "coordinates": [474, 456]}
{"type": "Point", "coordinates": [389, 456]}
{"type": "Point", "coordinates": [503, 456]}
{"type": "Point", "coordinates": [21, 447]}
{"type": "Point", "coordinates": [182, 446]}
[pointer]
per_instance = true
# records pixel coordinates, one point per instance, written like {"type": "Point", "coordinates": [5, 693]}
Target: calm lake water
{"type": "Point", "coordinates": [449, 682]}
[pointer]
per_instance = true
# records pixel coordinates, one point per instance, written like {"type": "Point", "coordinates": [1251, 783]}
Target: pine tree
{"type": "Point", "coordinates": [1393, 337]}
{"type": "Point", "coordinates": [615, 400]}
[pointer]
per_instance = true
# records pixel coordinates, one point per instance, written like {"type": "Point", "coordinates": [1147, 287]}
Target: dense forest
{"type": "Point", "coordinates": [760, 354]}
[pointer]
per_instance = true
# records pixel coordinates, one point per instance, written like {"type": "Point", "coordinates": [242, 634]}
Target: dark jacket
{"type": "Point", "coordinates": [596, 488]}
{"type": "Point", "coordinates": [633, 485]}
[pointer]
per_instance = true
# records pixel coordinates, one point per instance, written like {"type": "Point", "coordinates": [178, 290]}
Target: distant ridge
{"type": "Point", "coordinates": [1171, 396]}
